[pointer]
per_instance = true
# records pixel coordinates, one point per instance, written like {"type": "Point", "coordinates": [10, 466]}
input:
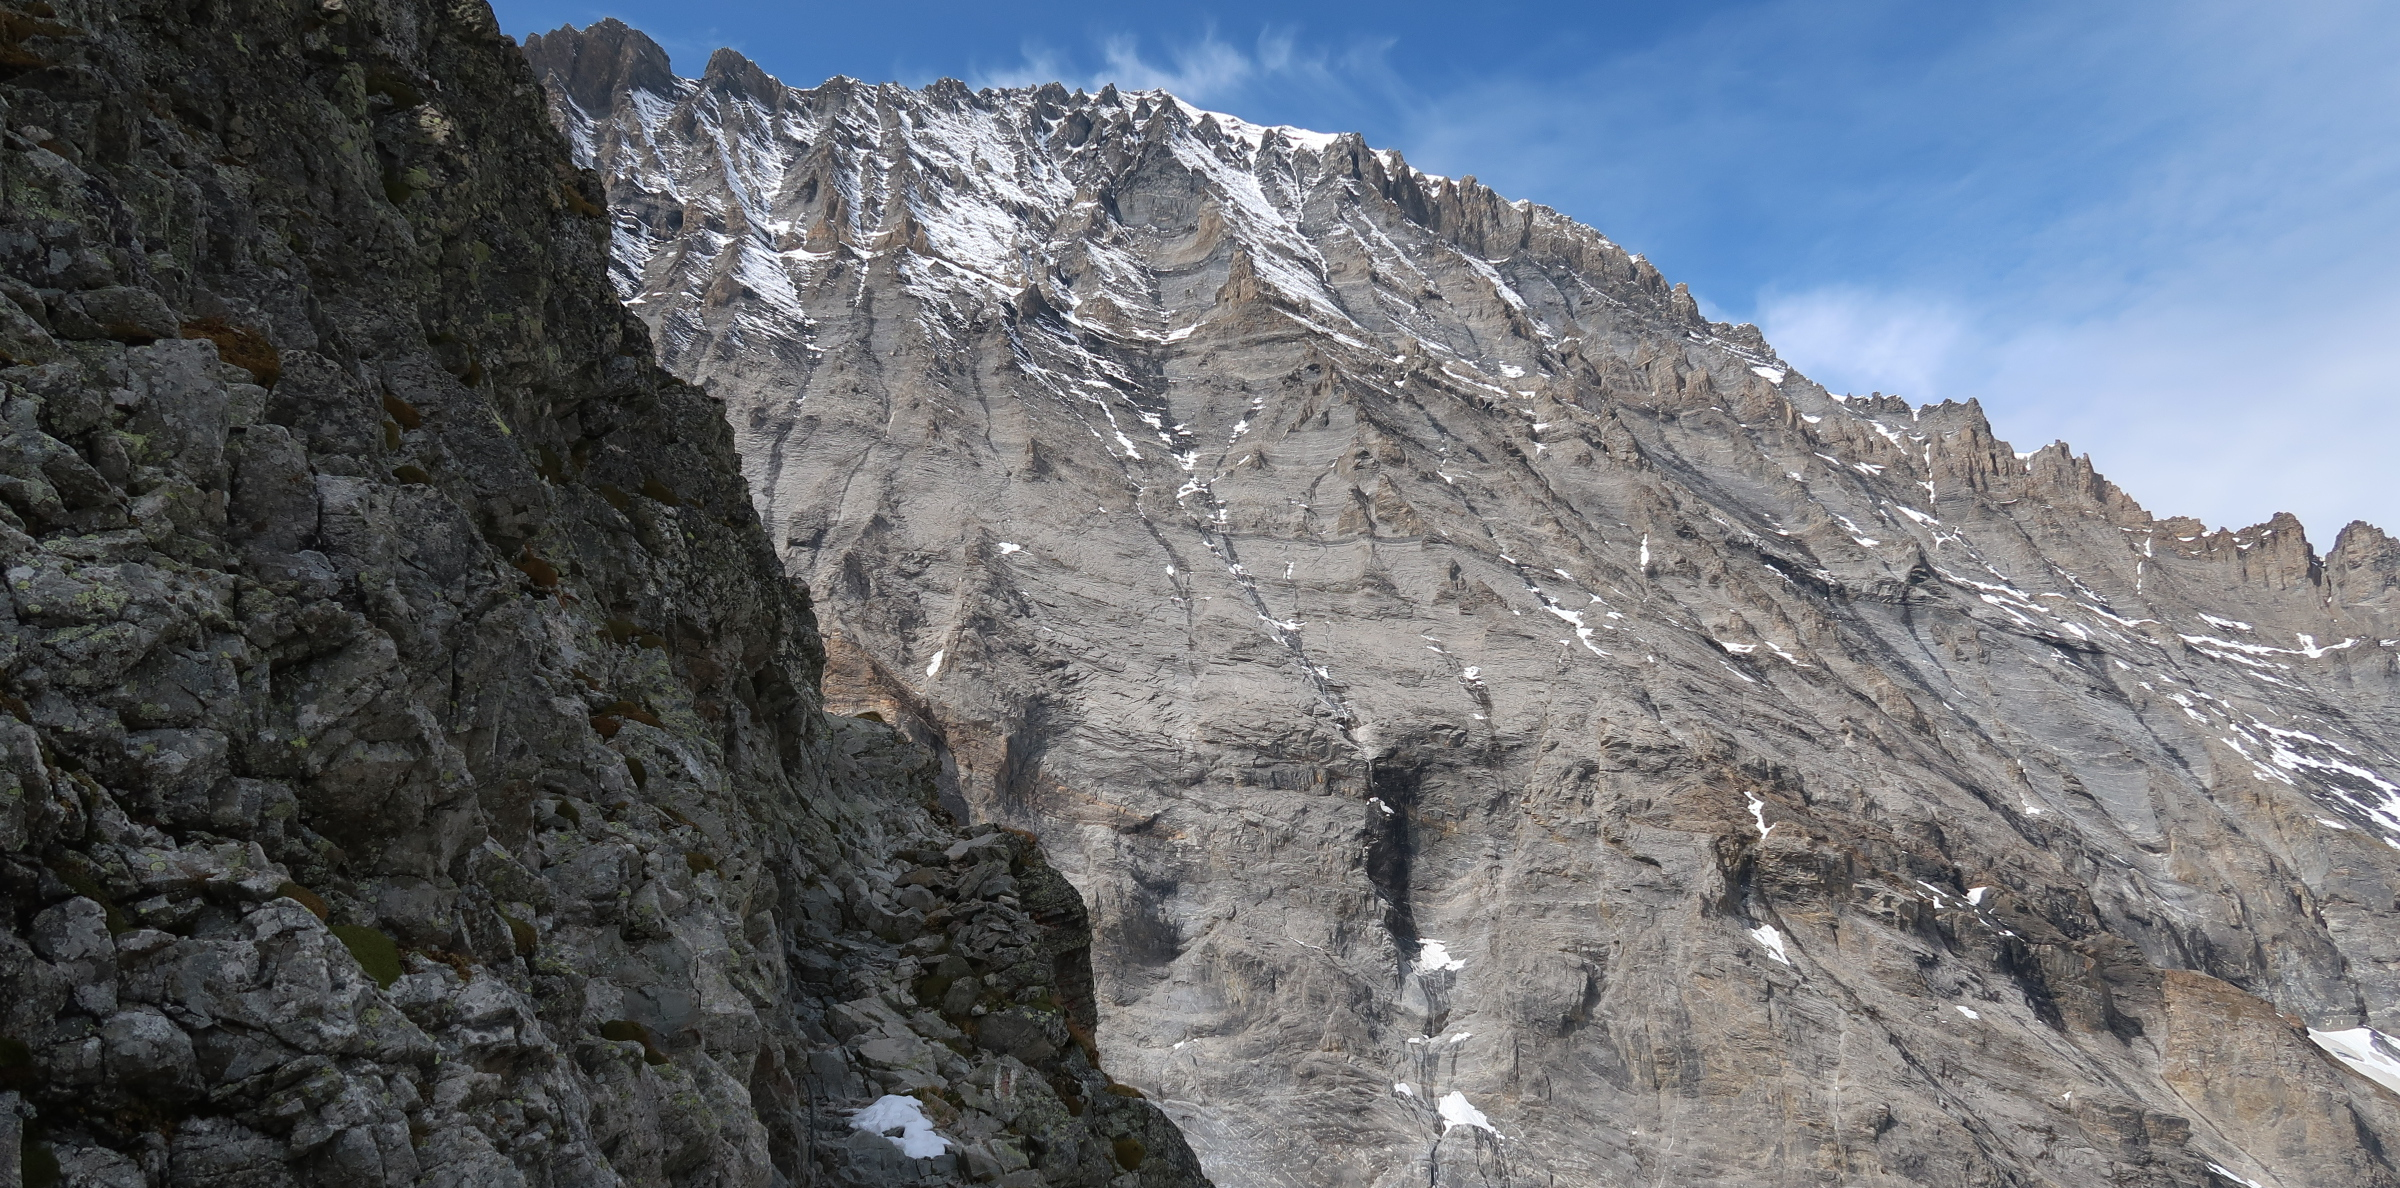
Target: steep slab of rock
{"type": "Point", "coordinates": [412, 763]}
{"type": "Point", "coordinates": [1511, 729]}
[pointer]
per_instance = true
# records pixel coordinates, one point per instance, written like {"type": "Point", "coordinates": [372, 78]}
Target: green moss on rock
{"type": "Point", "coordinates": [377, 954]}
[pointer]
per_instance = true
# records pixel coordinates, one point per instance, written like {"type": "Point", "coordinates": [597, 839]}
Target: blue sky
{"type": "Point", "coordinates": [2168, 233]}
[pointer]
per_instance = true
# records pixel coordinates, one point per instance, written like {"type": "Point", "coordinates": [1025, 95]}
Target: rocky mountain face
{"type": "Point", "coordinates": [1512, 730]}
{"type": "Point", "coordinates": [412, 761]}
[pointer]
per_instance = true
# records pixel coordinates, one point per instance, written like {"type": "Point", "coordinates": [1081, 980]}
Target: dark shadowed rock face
{"type": "Point", "coordinates": [412, 761]}
{"type": "Point", "coordinates": [1511, 729]}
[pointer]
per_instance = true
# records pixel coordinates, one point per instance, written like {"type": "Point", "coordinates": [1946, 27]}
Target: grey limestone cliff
{"type": "Point", "coordinates": [1510, 729]}
{"type": "Point", "coordinates": [412, 762]}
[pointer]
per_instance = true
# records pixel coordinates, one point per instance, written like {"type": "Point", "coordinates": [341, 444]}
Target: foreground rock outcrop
{"type": "Point", "coordinates": [1510, 729]}
{"type": "Point", "coordinates": [412, 763]}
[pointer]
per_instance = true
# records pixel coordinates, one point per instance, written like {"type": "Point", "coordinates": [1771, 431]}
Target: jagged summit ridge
{"type": "Point", "coordinates": [1475, 690]}
{"type": "Point", "coordinates": [922, 198]}
{"type": "Point", "coordinates": [978, 181]}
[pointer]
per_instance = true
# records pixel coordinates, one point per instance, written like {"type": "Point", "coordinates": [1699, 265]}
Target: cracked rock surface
{"type": "Point", "coordinates": [413, 768]}
{"type": "Point", "coordinates": [1510, 729]}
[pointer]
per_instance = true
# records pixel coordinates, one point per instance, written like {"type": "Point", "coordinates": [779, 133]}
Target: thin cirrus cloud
{"type": "Point", "coordinates": [2165, 234]}
{"type": "Point", "coordinates": [1273, 69]}
{"type": "Point", "coordinates": [2206, 300]}
{"type": "Point", "coordinates": [1869, 339]}
{"type": "Point", "coordinates": [2164, 231]}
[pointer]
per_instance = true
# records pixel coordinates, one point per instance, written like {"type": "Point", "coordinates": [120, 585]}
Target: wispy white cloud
{"type": "Point", "coordinates": [1867, 339]}
{"type": "Point", "coordinates": [2162, 231]}
{"type": "Point", "coordinates": [2209, 312]}
{"type": "Point", "coordinates": [2203, 405]}
{"type": "Point", "coordinates": [2195, 404]}
{"type": "Point", "coordinates": [1275, 69]}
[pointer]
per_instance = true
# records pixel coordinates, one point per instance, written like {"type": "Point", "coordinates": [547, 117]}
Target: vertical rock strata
{"type": "Point", "coordinates": [412, 762]}
{"type": "Point", "coordinates": [1510, 729]}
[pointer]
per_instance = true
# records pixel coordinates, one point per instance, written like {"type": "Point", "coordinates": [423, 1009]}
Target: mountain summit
{"type": "Point", "coordinates": [1512, 730]}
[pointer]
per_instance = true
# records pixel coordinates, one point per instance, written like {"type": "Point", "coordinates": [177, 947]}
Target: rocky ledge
{"type": "Point", "coordinates": [412, 761]}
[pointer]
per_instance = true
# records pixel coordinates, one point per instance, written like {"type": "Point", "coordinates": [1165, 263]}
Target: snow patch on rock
{"type": "Point", "coordinates": [903, 1121]}
{"type": "Point", "coordinates": [1457, 1111]}
{"type": "Point", "coordinates": [2365, 1051]}
{"type": "Point", "coordinates": [1771, 940]}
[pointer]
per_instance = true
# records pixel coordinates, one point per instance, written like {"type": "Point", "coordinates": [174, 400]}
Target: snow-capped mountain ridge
{"type": "Point", "coordinates": [973, 180]}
